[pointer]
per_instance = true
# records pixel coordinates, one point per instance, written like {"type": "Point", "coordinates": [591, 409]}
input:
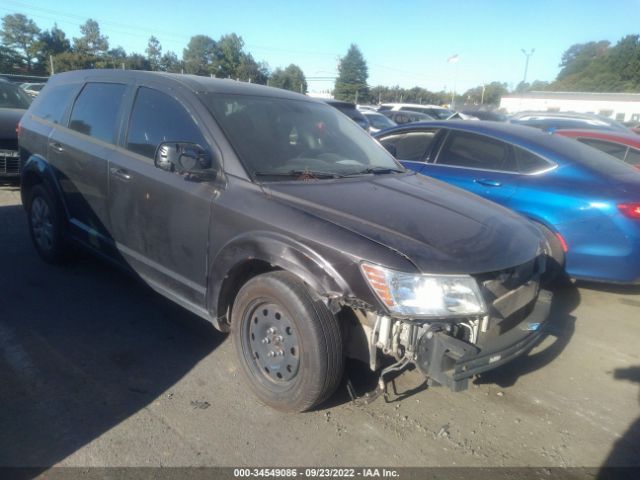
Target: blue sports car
{"type": "Point", "coordinates": [587, 203]}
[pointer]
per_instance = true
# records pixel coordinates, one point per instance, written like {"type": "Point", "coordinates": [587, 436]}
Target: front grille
{"type": "Point", "coordinates": [510, 294]}
{"type": "Point", "coordinates": [9, 163]}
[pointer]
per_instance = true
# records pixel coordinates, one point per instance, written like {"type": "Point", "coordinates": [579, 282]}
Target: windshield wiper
{"type": "Point", "coordinates": [378, 171]}
{"type": "Point", "coordinates": [302, 174]}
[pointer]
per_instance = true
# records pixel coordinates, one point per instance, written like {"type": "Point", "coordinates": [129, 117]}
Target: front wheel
{"type": "Point", "coordinates": [289, 344]}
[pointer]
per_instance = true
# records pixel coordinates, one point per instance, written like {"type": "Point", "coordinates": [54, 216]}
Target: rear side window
{"type": "Point", "coordinates": [52, 103]}
{"type": "Point", "coordinates": [156, 118]}
{"type": "Point", "coordinates": [469, 150]}
{"type": "Point", "coordinates": [529, 162]}
{"type": "Point", "coordinates": [633, 157]}
{"type": "Point", "coordinates": [615, 149]}
{"type": "Point", "coordinates": [410, 145]}
{"type": "Point", "coordinates": [95, 112]}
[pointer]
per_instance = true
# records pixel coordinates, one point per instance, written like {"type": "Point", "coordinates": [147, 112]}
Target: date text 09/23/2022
{"type": "Point", "coordinates": [316, 472]}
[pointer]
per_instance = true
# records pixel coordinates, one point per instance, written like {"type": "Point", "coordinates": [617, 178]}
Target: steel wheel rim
{"type": "Point", "coordinates": [271, 344]}
{"type": "Point", "coordinates": [41, 223]}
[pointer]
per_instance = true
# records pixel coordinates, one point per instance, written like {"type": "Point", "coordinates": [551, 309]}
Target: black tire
{"type": "Point", "coordinates": [555, 256]}
{"type": "Point", "coordinates": [46, 225]}
{"type": "Point", "coordinates": [288, 344]}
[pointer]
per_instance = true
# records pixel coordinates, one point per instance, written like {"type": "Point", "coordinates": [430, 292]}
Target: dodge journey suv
{"type": "Point", "coordinates": [277, 218]}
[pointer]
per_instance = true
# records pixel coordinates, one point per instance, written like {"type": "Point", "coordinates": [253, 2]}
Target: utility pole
{"type": "Point", "coordinates": [526, 63]}
{"type": "Point", "coordinates": [51, 62]}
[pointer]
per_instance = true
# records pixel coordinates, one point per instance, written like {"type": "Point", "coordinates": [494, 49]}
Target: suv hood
{"type": "Point", "coordinates": [439, 228]}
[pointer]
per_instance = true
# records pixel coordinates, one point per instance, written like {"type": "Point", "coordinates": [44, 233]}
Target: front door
{"type": "Point", "coordinates": [159, 219]}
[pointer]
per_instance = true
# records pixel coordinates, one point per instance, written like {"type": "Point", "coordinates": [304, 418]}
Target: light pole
{"type": "Point", "coordinates": [526, 63]}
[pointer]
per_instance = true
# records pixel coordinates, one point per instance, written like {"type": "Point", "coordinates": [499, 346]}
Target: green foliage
{"type": "Point", "coordinates": [21, 33]}
{"type": "Point", "coordinates": [351, 84]}
{"type": "Point", "coordinates": [382, 94]}
{"type": "Point", "coordinates": [489, 94]}
{"type": "Point", "coordinates": [598, 67]}
{"type": "Point", "coordinates": [11, 61]}
{"type": "Point", "coordinates": [92, 42]}
{"type": "Point", "coordinates": [169, 62]}
{"type": "Point", "coordinates": [291, 78]}
{"type": "Point", "coordinates": [201, 55]}
{"type": "Point", "coordinates": [154, 52]}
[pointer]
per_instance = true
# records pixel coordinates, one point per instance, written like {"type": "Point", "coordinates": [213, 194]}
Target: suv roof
{"type": "Point", "coordinates": [193, 82]}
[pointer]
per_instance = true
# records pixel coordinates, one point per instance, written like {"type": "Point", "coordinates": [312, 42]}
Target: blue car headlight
{"type": "Point", "coordinates": [425, 295]}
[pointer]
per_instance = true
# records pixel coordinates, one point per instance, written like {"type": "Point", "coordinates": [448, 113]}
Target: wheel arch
{"type": "Point", "coordinates": [37, 170]}
{"type": "Point", "coordinates": [259, 252]}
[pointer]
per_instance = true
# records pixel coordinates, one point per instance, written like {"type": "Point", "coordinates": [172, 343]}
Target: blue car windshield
{"type": "Point", "coordinates": [276, 136]}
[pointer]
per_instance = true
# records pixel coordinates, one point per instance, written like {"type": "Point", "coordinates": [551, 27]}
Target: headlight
{"type": "Point", "coordinates": [425, 295]}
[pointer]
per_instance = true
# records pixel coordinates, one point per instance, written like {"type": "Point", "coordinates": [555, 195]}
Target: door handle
{"type": "Point", "coordinates": [487, 182]}
{"type": "Point", "coordinates": [57, 147]}
{"type": "Point", "coordinates": [120, 173]}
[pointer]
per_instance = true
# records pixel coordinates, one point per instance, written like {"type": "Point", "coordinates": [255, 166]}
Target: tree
{"type": "Point", "coordinates": [251, 71]}
{"type": "Point", "coordinates": [201, 55]}
{"type": "Point", "coordinates": [50, 43]}
{"type": "Point", "coordinates": [21, 33]}
{"type": "Point", "coordinates": [154, 52]}
{"type": "Point", "coordinates": [11, 61]}
{"type": "Point", "coordinates": [577, 57]}
{"type": "Point", "coordinates": [490, 94]}
{"type": "Point", "coordinates": [229, 55]}
{"type": "Point", "coordinates": [291, 78]}
{"type": "Point", "coordinates": [351, 84]}
{"type": "Point", "coordinates": [136, 61]}
{"type": "Point", "coordinates": [91, 42]}
{"type": "Point", "coordinates": [169, 62]}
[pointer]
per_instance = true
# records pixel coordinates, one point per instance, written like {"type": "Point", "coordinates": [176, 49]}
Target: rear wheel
{"type": "Point", "coordinates": [289, 344]}
{"type": "Point", "coordinates": [46, 225]}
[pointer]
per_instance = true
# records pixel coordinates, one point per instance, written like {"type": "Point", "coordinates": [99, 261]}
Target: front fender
{"type": "Point", "coordinates": [279, 252]}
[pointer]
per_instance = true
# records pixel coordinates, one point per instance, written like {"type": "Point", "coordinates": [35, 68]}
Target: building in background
{"type": "Point", "coordinates": [624, 107]}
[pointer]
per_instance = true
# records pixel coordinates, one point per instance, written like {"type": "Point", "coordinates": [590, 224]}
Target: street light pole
{"type": "Point", "coordinates": [526, 63]}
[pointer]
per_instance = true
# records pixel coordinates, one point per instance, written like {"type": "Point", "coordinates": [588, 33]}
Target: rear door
{"type": "Point", "coordinates": [80, 153]}
{"type": "Point", "coordinates": [483, 165]}
{"type": "Point", "coordinates": [160, 219]}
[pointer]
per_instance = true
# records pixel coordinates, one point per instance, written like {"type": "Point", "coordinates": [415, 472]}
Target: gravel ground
{"type": "Point", "coordinates": [97, 370]}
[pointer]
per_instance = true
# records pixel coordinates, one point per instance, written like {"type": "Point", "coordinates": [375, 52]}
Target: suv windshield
{"type": "Point", "coordinates": [12, 96]}
{"type": "Point", "coordinates": [276, 136]}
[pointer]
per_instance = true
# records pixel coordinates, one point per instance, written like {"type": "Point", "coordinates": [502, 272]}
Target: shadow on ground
{"type": "Point", "coordinates": [82, 348]}
{"type": "Point", "coordinates": [560, 328]}
{"type": "Point", "coordinates": [626, 450]}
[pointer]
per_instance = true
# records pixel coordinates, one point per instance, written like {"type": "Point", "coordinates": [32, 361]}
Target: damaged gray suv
{"type": "Point", "coordinates": [277, 218]}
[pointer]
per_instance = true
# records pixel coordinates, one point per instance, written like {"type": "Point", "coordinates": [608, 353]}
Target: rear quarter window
{"type": "Point", "coordinates": [52, 103]}
{"type": "Point", "coordinates": [95, 112]}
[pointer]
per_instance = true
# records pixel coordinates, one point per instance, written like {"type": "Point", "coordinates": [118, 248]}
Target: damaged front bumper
{"type": "Point", "coordinates": [451, 362]}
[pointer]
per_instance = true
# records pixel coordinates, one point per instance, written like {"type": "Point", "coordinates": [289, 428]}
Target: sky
{"type": "Point", "coordinates": [404, 42]}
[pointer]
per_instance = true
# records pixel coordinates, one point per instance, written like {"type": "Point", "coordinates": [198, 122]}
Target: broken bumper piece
{"type": "Point", "coordinates": [451, 362]}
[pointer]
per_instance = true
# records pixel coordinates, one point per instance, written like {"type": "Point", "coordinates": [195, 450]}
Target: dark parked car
{"type": "Point", "coordinates": [377, 121]}
{"type": "Point", "coordinates": [351, 111]}
{"type": "Point", "coordinates": [586, 203]}
{"type": "Point", "coordinates": [624, 146]}
{"type": "Point", "coordinates": [274, 216]}
{"type": "Point", "coordinates": [13, 104]}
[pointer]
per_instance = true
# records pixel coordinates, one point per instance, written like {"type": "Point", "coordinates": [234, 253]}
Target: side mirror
{"type": "Point", "coordinates": [390, 147]}
{"type": "Point", "coordinates": [183, 158]}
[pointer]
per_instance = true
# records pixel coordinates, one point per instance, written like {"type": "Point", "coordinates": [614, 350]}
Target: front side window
{"type": "Point", "coordinates": [633, 156]}
{"type": "Point", "coordinates": [280, 136]}
{"type": "Point", "coordinates": [410, 145]}
{"type": "Point", "coordinates": [95, 112]}
{"type": "Point", "coordinates": [157, 118]}
{"type": "Point", "coordinates": [462, 149]}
